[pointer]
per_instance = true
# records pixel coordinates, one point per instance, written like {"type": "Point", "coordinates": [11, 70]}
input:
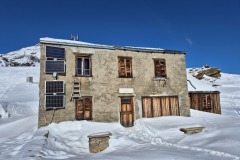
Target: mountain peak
{"type": "Point", "coordinates": [28, 56]}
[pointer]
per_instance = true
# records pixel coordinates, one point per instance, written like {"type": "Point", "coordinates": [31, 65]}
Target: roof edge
{"type": "Point", "coordinates": [111, 47]}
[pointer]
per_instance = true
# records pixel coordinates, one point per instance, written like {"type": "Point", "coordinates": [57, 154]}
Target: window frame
{"type": "Point", "coordinates": [83, 98]}
{"type": "Point", "coordinates": [125, 67]}
{"type": "Point", "coordinates": [83, 65]}
{"type": "Point", "coordinates": [207, 101]}
{"type": "Point", "coordinates": [164, 74]}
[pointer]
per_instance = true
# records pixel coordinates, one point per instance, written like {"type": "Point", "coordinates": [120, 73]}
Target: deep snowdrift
{"type": "Point", "coordinates": [152, 138]}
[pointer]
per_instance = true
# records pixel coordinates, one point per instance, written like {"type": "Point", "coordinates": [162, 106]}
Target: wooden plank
{"type": "Point", "coordinates": [124, 119]}
{"type": "Point", "coordinates": [156, 107]}
{"type": "Point", "coordinates": [130, 120]}
{"type": "Point", "coordinates": [174, 106]}
{"type": "Point", "coordinates": [147, 107]}
{"type": "Point", "coordinates": [165, 106]}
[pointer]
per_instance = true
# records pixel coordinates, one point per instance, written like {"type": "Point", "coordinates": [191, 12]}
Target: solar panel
{"type": "Point", "coordinates": [54, 87]}
{"type": "Point", "coordinates": [55, 52]}
{"type": "Point", "coordinates": [54, 66]}
{"type": "Point", "coordinates": [54, 101]}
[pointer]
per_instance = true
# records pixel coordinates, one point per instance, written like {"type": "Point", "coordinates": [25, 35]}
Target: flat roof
{"type": "Point", "coordinates": [111, 47]}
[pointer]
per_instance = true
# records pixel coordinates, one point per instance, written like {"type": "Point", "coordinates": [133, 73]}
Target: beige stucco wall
{"type": "Point", "coordinates": [104, 84]}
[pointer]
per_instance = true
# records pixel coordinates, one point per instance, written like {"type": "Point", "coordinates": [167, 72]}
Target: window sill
{"type": "Point", "coordinates": [125, 77]}
{"type": "Point", "coordinates": [159, 78]}
{"type": "Point", "coordinates": [83, 76]}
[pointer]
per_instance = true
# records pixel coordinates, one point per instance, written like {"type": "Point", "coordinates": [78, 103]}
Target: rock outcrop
{"type": "Point", "coordinates": [206, 70]}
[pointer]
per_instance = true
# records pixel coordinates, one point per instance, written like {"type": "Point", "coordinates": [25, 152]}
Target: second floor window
{"type": "Point", "coordinates": [84, 66]}
{"type": "Point", "coordinates": [125, 67]}
{"type": "Point", "coordinates": [160, 68]}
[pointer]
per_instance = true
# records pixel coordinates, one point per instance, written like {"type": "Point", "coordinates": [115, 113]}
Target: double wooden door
{"type": "Point", "coordinates": [84, 108]}
{"type": "Point", "coordinates": [127, 113]}
{"type": "Point", "coordinates": [160, 106]}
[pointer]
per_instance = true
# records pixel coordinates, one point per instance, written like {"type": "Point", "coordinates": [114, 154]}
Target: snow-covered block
{"type": "Point", "coordinates": [99, 141]}
{"type": "Point", "coordinates": [126, 90]}
{"type": "Point", "coordinates": [192, 130]}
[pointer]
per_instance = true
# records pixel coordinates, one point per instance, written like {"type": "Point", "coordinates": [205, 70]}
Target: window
{"type": "Point", "coordinates": [160, 68]}
{"type": "Point", "coordinates": [207, 101]}
{"type": "Point", "coordinates": [84, 66]}
{"type": "Point", "coordinates": [126, 100]}
{"type": "Point", "coordinates": [84, 108]}
{"type": "Point", "coordinates": [125, 67]}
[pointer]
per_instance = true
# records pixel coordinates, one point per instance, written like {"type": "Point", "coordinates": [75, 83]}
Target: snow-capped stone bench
{"type": "Point", "coordinates": [98, 141]}
{"type": "Point", "coordinates": [192, 130]}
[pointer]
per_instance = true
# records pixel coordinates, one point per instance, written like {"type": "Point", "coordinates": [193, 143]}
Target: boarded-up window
{"type": "Point", "coordinates": [160, 106]}
{"type": "Point", "coordinates": [125, 67]}
{"type": "Point", "coordinates": [160, 68]}
{"type": "Point", "coordinates": [84, 108]}
{"type": "Point", "coordinates": [84, 66]}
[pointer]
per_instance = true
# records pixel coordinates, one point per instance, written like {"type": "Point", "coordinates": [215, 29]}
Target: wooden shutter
{"type": "Point", "coordinates": [160, 68]}
{"type": "Point", "coordinates": [125, 66]}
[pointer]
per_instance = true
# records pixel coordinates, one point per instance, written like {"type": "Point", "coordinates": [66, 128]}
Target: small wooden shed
{"type": "Point", "coordinates": [207, 101]}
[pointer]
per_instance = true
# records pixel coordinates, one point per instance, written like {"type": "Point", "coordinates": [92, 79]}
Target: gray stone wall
{"type": "Point", "coordinates": [104, 84]}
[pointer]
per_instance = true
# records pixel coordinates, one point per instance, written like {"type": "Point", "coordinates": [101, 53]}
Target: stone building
{"type": "Point", "coordinates": [103, 83]}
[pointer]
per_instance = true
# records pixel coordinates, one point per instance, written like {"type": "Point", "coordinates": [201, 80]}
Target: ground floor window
{"type": "Point", "coordinates": [84, 108]}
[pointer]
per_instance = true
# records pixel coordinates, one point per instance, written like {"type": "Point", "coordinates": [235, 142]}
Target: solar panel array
{"type": "Point", "coordinates": [55, 52]}
{"type": "Point", "coordinates": [55, 66]}
{"type": "Point", "coordinates": [55, 101]}
{"type": "Point", "coordinates": [55, 60]}
{"type": "Point", "coordinates": [54, 87]}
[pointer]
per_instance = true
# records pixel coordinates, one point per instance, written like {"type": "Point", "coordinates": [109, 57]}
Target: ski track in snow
{"type": "Point", "coordinates": [145, 135]}
{"type": "Point", "coordinates": [12, 147]}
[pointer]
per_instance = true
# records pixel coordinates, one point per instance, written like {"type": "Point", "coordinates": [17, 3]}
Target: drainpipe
{"type": "Point", "coordinates": [191, 84]}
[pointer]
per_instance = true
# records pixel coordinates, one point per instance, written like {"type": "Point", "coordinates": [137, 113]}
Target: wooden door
{"type": "Point", "coordinates": [127, 111]}
{"type": "Point", "coordinates": [160, 106]}
{"type": "Point", "coordinates": [84, 108]}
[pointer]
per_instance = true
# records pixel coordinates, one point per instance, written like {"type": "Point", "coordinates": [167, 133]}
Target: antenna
{"type": "Point", "coordinates": [74, 38]}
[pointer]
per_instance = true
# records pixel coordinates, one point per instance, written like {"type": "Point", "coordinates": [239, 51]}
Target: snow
{"type": "Point", "coordinates": [21, 56]}
{"type": "Point", "coordinates": [149, 138]}
{"type": "Point", "coordinates": [200, 85]}
{"type": "Point", "coordinates": [80, 43]}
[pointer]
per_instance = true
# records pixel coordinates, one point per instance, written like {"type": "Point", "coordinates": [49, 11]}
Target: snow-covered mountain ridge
{"type": "Point", "coordinates": [28, 56]}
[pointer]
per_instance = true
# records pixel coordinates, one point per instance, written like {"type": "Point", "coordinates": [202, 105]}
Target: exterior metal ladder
{"type": "Point", "coordinates": [76, 94]}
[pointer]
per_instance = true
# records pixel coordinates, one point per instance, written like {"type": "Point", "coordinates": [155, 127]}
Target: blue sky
{"type": "Point", "coordinates": [208, 30]}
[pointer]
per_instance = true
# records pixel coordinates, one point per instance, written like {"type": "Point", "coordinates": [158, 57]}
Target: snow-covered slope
{"type": "Point", "coordinates": [150, 138]}
{"type": "Point", "coordinates": [28, 56]}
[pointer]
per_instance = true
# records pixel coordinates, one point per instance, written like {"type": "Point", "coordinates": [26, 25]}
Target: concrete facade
{"type": "Point", "coordinates": [104, 84]}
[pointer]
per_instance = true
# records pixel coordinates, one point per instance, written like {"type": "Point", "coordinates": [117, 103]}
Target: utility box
{"type": "Point", "coordinates": [29, 79]}
{"type": "Point", "coordinates": [99, 141]}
